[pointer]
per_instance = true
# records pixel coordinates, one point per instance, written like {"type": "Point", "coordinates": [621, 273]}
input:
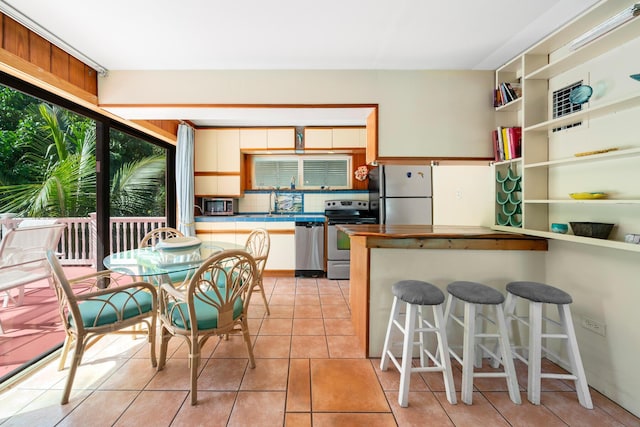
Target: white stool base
{"type": "Point", "coordinates": [408, 330]}
{"type": "Point", "coordinates": [472, 350]}
{"type": "Point", "coordinates": [534, 354]}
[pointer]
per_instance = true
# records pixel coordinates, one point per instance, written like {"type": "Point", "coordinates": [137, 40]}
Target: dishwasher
{"type": "Point", "coordinates": [309, 237]}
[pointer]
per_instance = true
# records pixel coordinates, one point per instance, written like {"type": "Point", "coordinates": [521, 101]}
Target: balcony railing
{"type": "Point", "coordinates": [79, 239]}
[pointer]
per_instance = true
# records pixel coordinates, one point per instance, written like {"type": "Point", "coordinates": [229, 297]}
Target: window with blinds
{"type": "Point", "coordinates": [308, 172]}
{"type": "Point", "coordinates": [562, 106]}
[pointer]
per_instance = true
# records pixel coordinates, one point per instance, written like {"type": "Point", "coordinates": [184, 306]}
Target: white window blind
{"type": "Point", "coordinates": [309, 171]}
{"type": "Point", "coordinates": [325, 173]}
{"type": "Point", "coordinates": [274, 173]}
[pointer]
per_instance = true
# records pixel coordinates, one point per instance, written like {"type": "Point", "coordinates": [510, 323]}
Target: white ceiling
{"type": "Point", "coordinates": [298, 34]}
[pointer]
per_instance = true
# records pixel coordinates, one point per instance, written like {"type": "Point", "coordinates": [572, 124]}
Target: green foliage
{"type": "Point", "coordinates": [48, 164]}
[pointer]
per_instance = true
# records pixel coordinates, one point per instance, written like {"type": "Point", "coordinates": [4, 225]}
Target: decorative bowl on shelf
{"type": "Point", "coordinates": [598, 230]}
{"type": "Point", "coordinates": [632, 238]}
{"type": "Point", "coordinates": [557, 227]}
{"type": "Point", "coordinates": [588, 196]}
{"type": "Point", "coordinates": [581, 94]}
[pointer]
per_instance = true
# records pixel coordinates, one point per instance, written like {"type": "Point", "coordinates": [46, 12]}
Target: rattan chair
{"type": "Point", "coordinates": [157, 235]}
{"type": "Point", "coordinates": [258, 245]}
{"type": "Point", "coordinates": [103, 306]}
{"type": "Point", "coordinates": [214, 303]}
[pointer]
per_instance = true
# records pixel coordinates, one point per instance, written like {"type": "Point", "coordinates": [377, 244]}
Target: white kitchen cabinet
{"type": "Point", "coordinates": [253, 138]}
{"type": "Point", "coordinates": [206, 151]}
{"type": "Point", "coordinates": [318, 138]}
{"type": "Point", "coordinates": [216, 231]}
{"type": "Point", "coordinates": [282, 255]}
{"type": "Point", "coordinates": [281, 138]}
{"type": "Point", "coordinates": [217, 185]}
{"type": "Point", "coordinates": [217, 162]}
{"type": "Point", "coordinates": [267, 138]}
{"type": "Point", "coordinates": [335, 138]}
{"type": "Point", "coordinates": [228, 150]}
{"type": "Point", "coordinates": [349, 137]}
{"type": "Point", "coordinates": [217, 150]}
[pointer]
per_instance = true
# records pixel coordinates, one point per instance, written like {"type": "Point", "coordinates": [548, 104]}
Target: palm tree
{"type": "Point", "coordinates": [135, 185]}
{"type": "Point", "coordinates": [65, 185]}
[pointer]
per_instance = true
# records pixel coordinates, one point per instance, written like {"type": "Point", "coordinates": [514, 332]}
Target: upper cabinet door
{"type": "Point", "coordinates": [253, 138]}
{"type": "Point", "coordinates": [206, 151]}
{"type": "Point", "coordinates": [228, 143]}
{"type": "Point", "coordinates": [281, 138]}
{"type": "Point", "coordinates": [349, 138]}
{"type": "Point", "coordinates": [318, 138]}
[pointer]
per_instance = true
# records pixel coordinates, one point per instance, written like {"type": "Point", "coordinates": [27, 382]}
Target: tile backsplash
{"type": "Point", "coordinates": [257, 201]}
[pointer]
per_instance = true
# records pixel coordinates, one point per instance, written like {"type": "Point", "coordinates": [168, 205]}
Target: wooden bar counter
{"type": "Point", "coordinates": [384, 254]}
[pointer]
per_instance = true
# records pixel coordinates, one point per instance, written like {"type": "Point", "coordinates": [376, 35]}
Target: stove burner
{"type": "Point", "coordinates": [348, 212]}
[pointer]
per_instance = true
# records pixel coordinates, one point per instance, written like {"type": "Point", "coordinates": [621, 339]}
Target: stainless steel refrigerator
{"type": "Point", "coordinates": [401, 194]}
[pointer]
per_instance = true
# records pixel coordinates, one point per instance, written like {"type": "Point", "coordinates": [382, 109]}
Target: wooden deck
{"type": "Point", "coordinates": [34, 327]}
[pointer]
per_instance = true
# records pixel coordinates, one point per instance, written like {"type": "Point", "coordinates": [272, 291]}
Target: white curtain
{"type": "Point", "coordinates": [184, 180]}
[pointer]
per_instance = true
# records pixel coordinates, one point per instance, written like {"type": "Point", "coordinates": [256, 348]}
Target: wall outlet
{"type": "Point", "coordinates": [594, 326]}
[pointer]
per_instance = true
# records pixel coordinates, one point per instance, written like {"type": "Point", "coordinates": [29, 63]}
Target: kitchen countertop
{"type": "Point", "coordinates": [429, 231]}
{"type": "Point", "coordinates": [278, 217]}
{"type": "Point", "coordinates": [441, 237]}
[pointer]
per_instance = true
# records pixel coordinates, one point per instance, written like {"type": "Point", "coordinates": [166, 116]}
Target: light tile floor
{"type": "Point", "coordinates": [308, 373]}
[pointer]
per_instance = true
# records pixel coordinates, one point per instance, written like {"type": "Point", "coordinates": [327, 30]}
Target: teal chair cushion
{"type": "Point", "coordinates": [178, 276]}
{"type": "Point", "coordinates": [206, 314]}
{"type": "Point", "coordinates": [98, 312]}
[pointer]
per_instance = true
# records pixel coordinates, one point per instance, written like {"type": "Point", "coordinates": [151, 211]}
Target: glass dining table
{"type": "Point", "coordinates": [162, 265]}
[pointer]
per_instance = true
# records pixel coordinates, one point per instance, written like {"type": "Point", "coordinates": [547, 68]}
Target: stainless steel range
{"type": "Point", "coordinates": [338, 245]}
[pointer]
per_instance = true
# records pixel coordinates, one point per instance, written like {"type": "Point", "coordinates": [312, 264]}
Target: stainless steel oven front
{"type": "Point", "coordinates": [339, 248]}
{"type": "Point", "coordinates": [338, 242]}
{"type": "Point", "coordinates": [338, 253]}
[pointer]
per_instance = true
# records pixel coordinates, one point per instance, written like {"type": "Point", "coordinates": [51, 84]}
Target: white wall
{"type": "Point", "coordinates": [604, 286]}
{"type": "Point", "coordinates": [421, 113]}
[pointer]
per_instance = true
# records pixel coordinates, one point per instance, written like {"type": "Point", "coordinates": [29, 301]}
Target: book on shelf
{"type": "Point", "coordinates": [497, 151]}
{"type": "Point", "coordinates": [516, 89]}
{"type": "Point", "coordinates": [497, 98]}
{"type": "Point", "coordinates": [514, 140]}
{"type": "Point", "coordinates": [505, 93]}
{"type": "Point", "coordinates": [507, 143]}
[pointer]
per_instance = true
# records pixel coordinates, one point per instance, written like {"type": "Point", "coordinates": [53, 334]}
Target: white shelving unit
{"type": "Point", "coordinates": [546, 167]}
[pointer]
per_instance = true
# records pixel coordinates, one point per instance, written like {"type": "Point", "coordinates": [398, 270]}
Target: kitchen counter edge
{"type": "Point", "coordinates": [450, 237]}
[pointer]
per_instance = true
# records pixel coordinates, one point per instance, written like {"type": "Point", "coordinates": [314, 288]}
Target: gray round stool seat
{"type": "Point", "coordinates": [475, 293]}
{"type": "Point", "coordinates": [417, 292]}
{"type": "Point", "coordinates": [539, 292]}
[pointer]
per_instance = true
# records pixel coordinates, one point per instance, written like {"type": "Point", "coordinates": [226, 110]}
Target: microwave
{"type": "Point", "coordinates": [215, 206]}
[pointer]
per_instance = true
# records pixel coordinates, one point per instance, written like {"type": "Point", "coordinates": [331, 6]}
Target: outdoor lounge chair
{"type": "Point", "coordinates": [23, 258]}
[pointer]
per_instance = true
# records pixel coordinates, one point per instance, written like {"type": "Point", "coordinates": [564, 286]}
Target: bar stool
{"type": "Point", "coordinates": [474, 295]}
{"type": "Point", "coordinates": [417, 294]}
{"type": "Point", "coordinates": [538, 294]}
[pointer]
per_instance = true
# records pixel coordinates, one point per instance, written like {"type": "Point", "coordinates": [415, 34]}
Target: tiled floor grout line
{"type": "Point", "coordinates": [452, 414]}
